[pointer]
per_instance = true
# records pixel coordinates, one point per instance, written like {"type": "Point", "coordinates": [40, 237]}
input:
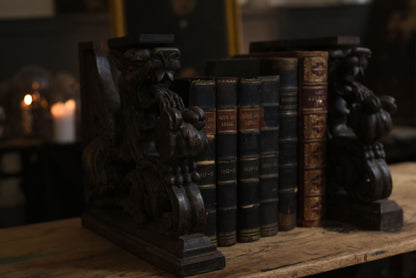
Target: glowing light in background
{"type": "Point", "coordinates": [28, 99]}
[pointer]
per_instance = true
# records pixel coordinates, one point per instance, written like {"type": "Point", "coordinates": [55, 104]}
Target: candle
{"type": "Point", "coordinates": [27, 119]}
{"type": "Point", "coordinates": [64, 121]}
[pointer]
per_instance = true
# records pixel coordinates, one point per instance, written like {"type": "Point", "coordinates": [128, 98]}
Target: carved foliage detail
{"type": "Point", "coordinates": [357, 119]}
{"type": "Point", "coordinates": [144, 163]}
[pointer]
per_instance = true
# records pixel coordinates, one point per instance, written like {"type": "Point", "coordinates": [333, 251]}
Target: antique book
{"type": "Point", "coordinates": [313, 72]}
{"type": "Point", "coordinates": [287, 69]}
{"type": "Point", "coordinates": [312, 89]}
{"type": "Point", "coordinates": [288, 140]}
{"type": "Point", "coordinates": [226, 145]}
{"type": "Point", "coordinates": [202, 94]}
{"type": "Point", "coordinates": [269, 154]}
{"type": "Point", "coordinates": [248, 160]}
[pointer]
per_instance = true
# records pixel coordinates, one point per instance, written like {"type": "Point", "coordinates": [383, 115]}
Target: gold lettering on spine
{"type": "Point", "coordinates": [314, 181]}
{"type": "Point", "coordinates": [314, 154]}
{"type": "Point", "coordinates": [314, 126]}
{"type": "Point", "coordinates": [250, 169]}
{"type": "Point", "coordinates": [226, 120]}
{"type": "Point", "coordinates": [227, 171]}
{"type": "Point", "coordinates": [315, 69]}
{"type": "Point", "coordinates": [205, 174]}
{"type": "Point", "coordinates": [315, 208]}
{"type": "Point", "coordinates": [249, 118]}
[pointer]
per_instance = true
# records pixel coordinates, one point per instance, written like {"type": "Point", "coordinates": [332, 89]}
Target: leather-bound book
{"type": "Point", "coordinates": [287, 68]}
{"type": "Point", "coordinates": [202, 94]}
{"type": "Point", "coordinates": [269, 152]}
{"type": "Point", "coordinates": [312, 89]}
{"type": "Point", "coordinates": [313, 73]}
{"type": "Point", "coordinates": [226, 143]}
{"type": "Point", "coordinates": [257, 64]}
{"type": "Point", "coordinates": [248, 224]}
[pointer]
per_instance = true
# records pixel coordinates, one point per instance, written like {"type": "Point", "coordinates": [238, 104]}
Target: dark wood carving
{"type": "Point", "coordinates": [140, 145]}
{"type": "Point", "coordinates": [359, 178]}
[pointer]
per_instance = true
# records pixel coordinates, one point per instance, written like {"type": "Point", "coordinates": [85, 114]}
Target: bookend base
{"type": "Point", "coordinates": [380, 215]}
{"type": "Point", "coordinates": [184, 256]}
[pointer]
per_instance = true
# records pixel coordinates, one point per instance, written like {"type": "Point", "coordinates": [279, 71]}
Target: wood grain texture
{"type": "Point", "coordinates": [65, 249]}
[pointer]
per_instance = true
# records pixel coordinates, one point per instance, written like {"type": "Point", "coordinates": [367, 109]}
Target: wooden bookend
{"type": "Point", "coordinates": [359, 180]}
{"type": "Point", "coordinates": [139, 148]}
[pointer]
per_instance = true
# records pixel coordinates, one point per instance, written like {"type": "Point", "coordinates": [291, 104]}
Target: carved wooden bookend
{"type": "Point", "coordinates": [359, 181]}
{"type": "Point", "coordinates": [140, 144]}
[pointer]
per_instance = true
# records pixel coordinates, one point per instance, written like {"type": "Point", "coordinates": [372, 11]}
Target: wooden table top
{"type": "Point", "coordinates": [65, 249]}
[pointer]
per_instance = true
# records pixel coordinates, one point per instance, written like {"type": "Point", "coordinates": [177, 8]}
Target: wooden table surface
{"type": "Point", "coordinates": [65, 249]}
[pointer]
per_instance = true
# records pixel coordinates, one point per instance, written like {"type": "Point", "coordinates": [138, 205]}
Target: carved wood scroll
{"type": "Point", "coordinates": [140, 145]}
{"type": "Point", "coordinates": [357, 119]}
{"type": "Point", "coordinates": [359, 178]}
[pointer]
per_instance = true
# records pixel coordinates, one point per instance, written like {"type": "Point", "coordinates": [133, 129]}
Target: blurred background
{"type": "Point", "coordinates": [40, 149]}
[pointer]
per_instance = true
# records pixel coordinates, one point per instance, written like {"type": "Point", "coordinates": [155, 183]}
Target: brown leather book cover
{"type": "Point", "coordinates": [313, 74]}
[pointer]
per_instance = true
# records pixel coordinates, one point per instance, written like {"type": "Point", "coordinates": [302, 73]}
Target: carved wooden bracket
{"type": "Point", "coordinates": [140, 145]}
{"type": "Point", "coordinates": [357, 119]}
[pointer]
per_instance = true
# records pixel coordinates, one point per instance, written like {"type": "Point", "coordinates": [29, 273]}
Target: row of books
{"type": "Point", "coordinates": [258, 107]}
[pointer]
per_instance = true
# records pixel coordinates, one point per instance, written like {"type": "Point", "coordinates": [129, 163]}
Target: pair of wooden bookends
{"type": "Point", "coordinates": [140, 144]}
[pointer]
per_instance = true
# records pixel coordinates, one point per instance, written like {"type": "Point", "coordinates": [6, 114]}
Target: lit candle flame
{"type": "Point", "coordinates": [27, 99]}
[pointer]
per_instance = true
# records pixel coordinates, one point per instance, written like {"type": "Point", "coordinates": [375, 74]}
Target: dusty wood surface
{"type": "Point", "coordinates": [65, 249]}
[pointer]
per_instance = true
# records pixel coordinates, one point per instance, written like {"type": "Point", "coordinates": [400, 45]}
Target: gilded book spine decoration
{"type": "Point", "coordinates": [202, 94]}
{"type": "Point", "coordinates": [313, 70]}
{"type": "Point", "coordinates": [226, 139]}
{"type": "Point", "coordinates": [288, 142]}
{"type": "Point", "coordinates": [269, 154]}
{"type": "Point", "coordinates": [248, 160]}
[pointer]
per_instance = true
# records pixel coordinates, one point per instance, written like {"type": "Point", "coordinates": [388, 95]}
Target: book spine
{"type": "Point", "coordinates": [288, 142]}
{"type": "Point", "coordinates": [226, 139]}
{"type": "Point", "coordinates": [202, 94]}
{"type": "Point", "coordinates": [248, 160]}
{"type": "Point", "coordinates": [269, 154]}
{"type": "Point", "coordinates": [313, 72]}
